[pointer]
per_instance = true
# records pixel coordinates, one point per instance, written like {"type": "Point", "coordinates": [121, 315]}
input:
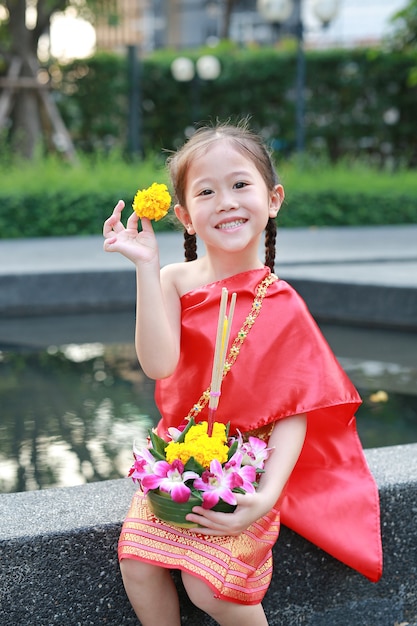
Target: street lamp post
{"type": "Point", "coordinates": [134, 138]}
{"type": "Point", "coordinates": [301, 80]}
{"type": "Point", "coordinates": [278, 12]}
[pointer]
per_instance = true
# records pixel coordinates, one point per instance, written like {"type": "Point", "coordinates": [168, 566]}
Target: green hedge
{"type": "Point", "coordinates": [357, 101]}
{"type": "Point", "coordinates": [52, 198]}
{"type": "Point", "coordinates": [56, 214]}
{"type": "Point", "coordinates": [337, 208]}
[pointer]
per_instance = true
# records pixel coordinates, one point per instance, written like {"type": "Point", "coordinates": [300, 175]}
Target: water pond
{"type": "Point", "coordinates": [73, 398]}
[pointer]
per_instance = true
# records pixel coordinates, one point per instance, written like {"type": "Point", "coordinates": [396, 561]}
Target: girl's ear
{"type": "Point", "coordinates": [185, 219]}
{"type": "Point", "coordinates": [276, 200]}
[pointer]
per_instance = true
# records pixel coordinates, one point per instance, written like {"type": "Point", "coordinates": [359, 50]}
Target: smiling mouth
{"type": "Point", "coordinates": [229, 225]}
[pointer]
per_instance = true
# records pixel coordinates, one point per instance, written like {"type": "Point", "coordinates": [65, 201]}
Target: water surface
{"type": "Point", "coordinates": [73, 397]}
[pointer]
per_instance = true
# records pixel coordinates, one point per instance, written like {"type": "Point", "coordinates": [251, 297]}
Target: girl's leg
{"type": "Point", "coordinates": [151, 592]}
{"type": "Point", "coordinates": [225, 613]}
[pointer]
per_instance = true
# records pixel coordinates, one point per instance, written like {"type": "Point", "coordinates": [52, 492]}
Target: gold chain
{"type": "Point", "coordinates": [239, 339]}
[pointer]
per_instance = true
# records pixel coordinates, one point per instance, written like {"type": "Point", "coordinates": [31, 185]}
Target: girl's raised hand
{"type": "Point", "coordinates": [138, 247]}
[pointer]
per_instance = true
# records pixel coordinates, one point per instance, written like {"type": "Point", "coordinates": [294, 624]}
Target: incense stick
{"type": "Point", "coordinates": [224, 326]}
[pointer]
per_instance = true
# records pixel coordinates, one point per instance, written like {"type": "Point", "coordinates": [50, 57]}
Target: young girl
{"type": "Point", "coordinates": [285, 386]}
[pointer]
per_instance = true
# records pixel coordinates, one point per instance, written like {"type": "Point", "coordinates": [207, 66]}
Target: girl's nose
{"type": "Point", "coordinates": [227, 203]}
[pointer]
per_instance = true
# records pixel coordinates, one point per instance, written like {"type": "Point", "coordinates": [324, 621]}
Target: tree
{"type": "Point", "coordinates": [19, 41]}
{"type": "Point", "coordinates": [404, 36]}
{"type": "Point", "coordinates": [405, 27]}
{"type": "Point", "coordinates": [22, 23]}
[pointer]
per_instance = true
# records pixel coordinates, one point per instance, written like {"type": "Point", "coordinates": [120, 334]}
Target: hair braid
{"type": "Point", "coordinates": [190, 246]}
{"type": "Point", "coordinates": [270, 239]}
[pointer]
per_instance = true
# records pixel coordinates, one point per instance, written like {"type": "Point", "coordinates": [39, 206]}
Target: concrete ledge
{"type": "Point", "coordinates": [67, 292]}
{"type": "Point", "coordinates": [360, 304]}
{"type": "Point", "coordinates": [59, 566]}
{"type": "Point", "coordinates": [101, 291]}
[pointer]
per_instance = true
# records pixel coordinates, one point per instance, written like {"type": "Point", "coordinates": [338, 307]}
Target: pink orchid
{"type": "Point", "coordinates": [217, 483]}
{"type": "Point", "coordinates": [144, 464]}
{"type": "Point", "coordinates": [255, 452]}
{"type": "Point", "coordinates": [243, 475]}
{"type": "Point", "coordinates": [171, 479]}
{"type": "Point", "coordinates": [175, 433]}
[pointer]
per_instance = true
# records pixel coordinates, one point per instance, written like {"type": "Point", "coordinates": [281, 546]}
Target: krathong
{"type": "Point", "coordinates": [199, 464]}
{"type": "Point", "coordinates": [197, 469]}
{"type": "Point", "coordinates": [153, 202]}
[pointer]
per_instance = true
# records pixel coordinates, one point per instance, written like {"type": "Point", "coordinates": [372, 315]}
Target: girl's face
{"type": "Point", "coordinates": [227, 201]}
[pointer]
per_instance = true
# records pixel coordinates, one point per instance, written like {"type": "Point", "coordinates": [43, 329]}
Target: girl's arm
{"type": "Point", "coordinates": [287, 440]}
{"type": "Point", "coordinates": [158, 322]}
{"type": "Point", "coordinates": [157, 336]}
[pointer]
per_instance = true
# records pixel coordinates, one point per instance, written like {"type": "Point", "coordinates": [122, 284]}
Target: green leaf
{"type": "Point", "coordinates": [190, 424]}
{"type": "Point", "coordinates": [157, 455]}
{"type": "Point", "coordinates": [232, 449]}
{"type": "Point", "coordinates": [197, 494]}
{"type": "Point", "coordinates": [158, 444]}
{"type": "Point", "coordinates": [194, 466]}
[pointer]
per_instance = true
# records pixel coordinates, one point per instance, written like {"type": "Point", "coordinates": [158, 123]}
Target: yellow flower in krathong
{"type": "Point", "coordinates": [196, 431]}
{"type": "Point", "coordinates": [153, 202]}
{"type": "Point", "coordinates": [200, 446]}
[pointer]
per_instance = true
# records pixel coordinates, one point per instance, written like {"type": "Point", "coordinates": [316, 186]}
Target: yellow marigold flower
{"type": "Point", "coordinates": [204, 449]}
{"type": "Point", "coordinates": [196, 431]}
{"type": "Point", "coordinates": [176, 450]}
{"type": "Point", "coordinates": [219, 430]}
{"type": "Point", "coordinates": [209, 448]}
{"type": "Point", "coordinates": [153, 202]}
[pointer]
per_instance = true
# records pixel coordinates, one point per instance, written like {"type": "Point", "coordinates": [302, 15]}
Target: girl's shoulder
{"type": "Point", "coordinates": [184, 276]}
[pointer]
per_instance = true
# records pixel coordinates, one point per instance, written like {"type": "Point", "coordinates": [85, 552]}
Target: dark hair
{"type": "Point", "coordinates": [246, 142]}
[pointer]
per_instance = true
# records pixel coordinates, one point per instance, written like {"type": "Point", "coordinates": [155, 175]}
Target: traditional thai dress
{"type": "Point", "coordinates": [283, 367]}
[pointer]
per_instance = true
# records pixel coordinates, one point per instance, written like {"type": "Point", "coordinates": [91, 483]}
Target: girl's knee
{"type": "Point", "coordinates": [203, 597]}
{"type": "Point", "coordinates": [139, 572]}
{"type": "Point", "coordinates": [199, 593]}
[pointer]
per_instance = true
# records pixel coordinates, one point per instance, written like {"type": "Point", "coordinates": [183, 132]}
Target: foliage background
{"type": "Point", "coordinates": [361, 137]}
{"type": "Point", "coordinates": [50, 198]}
{"type": "Point", "coordinates": [357, 101]}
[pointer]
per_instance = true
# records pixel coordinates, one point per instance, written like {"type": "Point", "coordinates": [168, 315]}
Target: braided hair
{"type": "Point", "coordinates": [246, 142]}
{"type": "Point", "coordinates": [190, 246]}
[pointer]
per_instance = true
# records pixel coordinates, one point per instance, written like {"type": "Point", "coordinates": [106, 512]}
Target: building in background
{"type": "Point", "coordinates": [179, 24]}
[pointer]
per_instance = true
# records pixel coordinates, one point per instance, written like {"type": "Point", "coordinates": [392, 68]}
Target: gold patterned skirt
{"type": "Point", "coordinates": [238, 569]}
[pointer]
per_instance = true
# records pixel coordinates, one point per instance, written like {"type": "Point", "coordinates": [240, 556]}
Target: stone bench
{"type": "Point", "coordinates": [59, 566]}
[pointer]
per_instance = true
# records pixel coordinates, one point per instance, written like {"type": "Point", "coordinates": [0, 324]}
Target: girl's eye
{"type": "Point", "coordinates": [206, 192]}
{"type": "Point", "coordinates": [240, 185]}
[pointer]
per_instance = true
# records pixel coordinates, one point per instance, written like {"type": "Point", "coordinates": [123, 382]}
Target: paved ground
{"type": "Point", "coordinates": [333, 268]}
{"type": "Point", "coordinates": [375, 255]}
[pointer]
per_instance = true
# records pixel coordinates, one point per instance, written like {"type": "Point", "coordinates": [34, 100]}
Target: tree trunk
{"type": "Point", "coordinates": [26, 132]}
{"type": "Point", "coordinates": [27, 129]}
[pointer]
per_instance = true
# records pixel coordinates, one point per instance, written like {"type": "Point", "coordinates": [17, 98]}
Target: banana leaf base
{"type": "Point", "coordinates": [162, 506]}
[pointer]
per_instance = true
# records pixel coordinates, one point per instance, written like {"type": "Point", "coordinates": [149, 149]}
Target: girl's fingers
{"type": "Point", "coordinates": [132, 222]}
{"type": "Point", "coordinates": [146, 225]}
{"type": "Point", "coordinates": [109, 241]}
{"type": "Point", "coordinates": [117, 217]}
{"type": "Point", "coordinates": [119, 207]}
{"type": "Point", "coordinates": [113, 223]}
